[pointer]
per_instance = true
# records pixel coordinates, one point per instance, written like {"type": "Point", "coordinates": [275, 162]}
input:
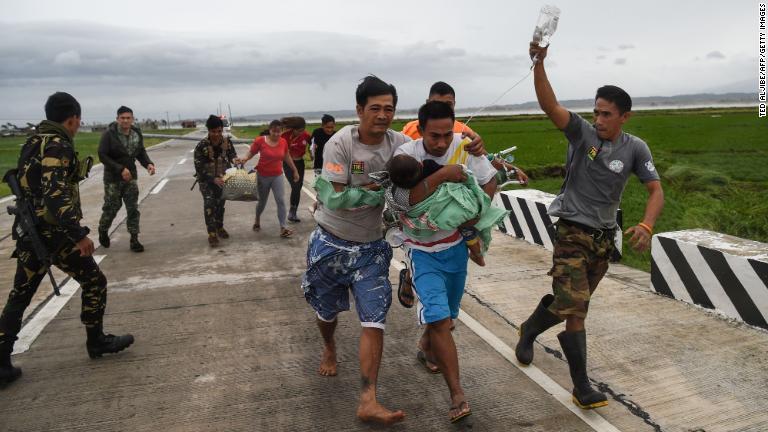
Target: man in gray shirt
{"type": "Point", "coordinates": [600, 159]}
{"type": "Point", "coordinates": [347, 251]}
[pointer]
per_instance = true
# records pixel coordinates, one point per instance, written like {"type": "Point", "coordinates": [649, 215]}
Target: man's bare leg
{"type": "Point", "coordinates": [328, 361]}
{"type": "Point", "coordinates": [369, 409]}
{"type": "Point", "coordinates": [426, 347]}
{"type": "Point", "coordinates": [447, 359]}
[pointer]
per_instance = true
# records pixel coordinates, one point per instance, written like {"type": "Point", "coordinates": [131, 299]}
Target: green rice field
{"type": "Point", "coordinates": [713, 164]}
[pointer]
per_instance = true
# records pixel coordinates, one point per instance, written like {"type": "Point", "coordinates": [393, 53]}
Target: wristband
{"type": "Point", "coordinates": [472, 241]}
{"type": "Point", "coordinates": [645, 227]}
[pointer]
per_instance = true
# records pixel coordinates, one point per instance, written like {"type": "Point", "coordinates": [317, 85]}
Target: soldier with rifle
{"type": "Point", "coordinates": [47, 231]}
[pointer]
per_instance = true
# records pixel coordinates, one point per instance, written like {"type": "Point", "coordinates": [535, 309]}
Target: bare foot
{"type": "Point", "coordinates": [459, 408]}
{"type": "Point", "coordinates": [328, 362]}
{"type": "Point", "coordinates": [375, 412]}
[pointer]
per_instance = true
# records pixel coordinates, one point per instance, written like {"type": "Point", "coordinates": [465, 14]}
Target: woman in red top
{"type": "Point", "coordinates": [298, 141]}
{"type": "Point", "coordinates": [273, 153]}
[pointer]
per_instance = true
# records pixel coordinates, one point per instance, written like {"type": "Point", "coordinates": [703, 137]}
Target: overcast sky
{"type": "Point", "coordinates": [281, 56]}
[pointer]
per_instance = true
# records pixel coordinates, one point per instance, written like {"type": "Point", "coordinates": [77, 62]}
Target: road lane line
{"type": "Point", "coordinates": [181, 162]}
{"type": "Point", "coordinates": [159, 186]}
{"type": "Point", "coordinates": [37, 324]}
{"type": "Point", "coordinates": [23, 346]}
{"type": "Point", "coordinates": [590, 417]}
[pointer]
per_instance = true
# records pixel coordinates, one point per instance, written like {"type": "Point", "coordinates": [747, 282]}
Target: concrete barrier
{"type": "Point", "coordinates": [529, 220]}
{"type": "Point", "coordinates": [713, 270]}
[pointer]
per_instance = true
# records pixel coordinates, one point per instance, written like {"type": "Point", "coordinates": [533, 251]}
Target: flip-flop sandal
{"type": "Point", "coordinates": [285, 233]}
{"type": "Point", "coordinates": [422, 358]}
{"type": "Point", "coordinates": [405, 299]}
{"type": "Point", "coordinates": [462, 414]}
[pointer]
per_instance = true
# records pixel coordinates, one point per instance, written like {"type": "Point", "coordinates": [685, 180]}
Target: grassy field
{"type": "Point", "coordinates": [713, 164]}
{"type": "Point", "coordinates": [86, 143]}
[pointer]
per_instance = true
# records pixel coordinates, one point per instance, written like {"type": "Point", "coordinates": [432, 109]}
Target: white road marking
{"type": "Point", "coordinates": [181, 162]}
{"type": "Point", "coordinates": [309, 192]}
{"type": "Point", "coordinates": [159, 186]}
{"type": "Point", "coordinates": [37, 324]}
{"type": "Point", "coordinates": [192, 150]}
{"type": "Point", "coordinates": [590, 417]}
{"type": "Point", "coordinates": [8, 198]}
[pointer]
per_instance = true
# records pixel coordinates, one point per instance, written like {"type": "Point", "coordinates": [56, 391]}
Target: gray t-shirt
{"type": "Point", "coordinates": [348, 161]}
{"type": "Point", "coordinates": [591, 193]}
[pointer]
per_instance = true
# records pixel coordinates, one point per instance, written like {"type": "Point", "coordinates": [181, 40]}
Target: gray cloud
{"type": "Point", "coordinates": [620, 61]}
{"type": "Point", "coordinates": [717, 55]}
{"type": "Point", "coordinates": [84, 55]}
{"type": "Point", "coordinates": [177, 70]}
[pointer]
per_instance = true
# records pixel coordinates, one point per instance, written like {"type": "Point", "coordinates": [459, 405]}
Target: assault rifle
{"type": "Point", "coordinates": [25, 226]}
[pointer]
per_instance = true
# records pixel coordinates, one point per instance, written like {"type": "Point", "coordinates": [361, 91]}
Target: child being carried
{"type": "Point", "coordinates": [405, 172]}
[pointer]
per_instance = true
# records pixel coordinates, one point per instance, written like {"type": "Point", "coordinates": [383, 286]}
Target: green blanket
{"type": "Point", "coordinates": [452, 205]}
{"type": "Point", "coordinates": [350, 197]}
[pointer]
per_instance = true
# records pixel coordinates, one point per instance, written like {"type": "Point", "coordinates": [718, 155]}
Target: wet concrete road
{"type": "Point", "coordinates": [225, 340]}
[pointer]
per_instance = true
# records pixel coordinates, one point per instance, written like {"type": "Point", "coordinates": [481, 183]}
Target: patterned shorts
{"type": "Point", "coordinates": [335, 266]}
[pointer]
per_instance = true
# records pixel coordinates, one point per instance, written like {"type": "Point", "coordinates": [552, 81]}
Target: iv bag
{"type": "Point", "coordinates": [546, 25]}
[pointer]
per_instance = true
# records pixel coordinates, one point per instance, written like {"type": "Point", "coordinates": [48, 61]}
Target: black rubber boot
{"type": "Point", "coordinates": [574, 346]}
{"type": "Point", "coordinates": [99, 344]}
{"type": "Point", "coordinates": [292, 215]}
{"type": "Point", "coordinates": [540, 320]}
{"type": "Point", "coordinates": [104, 238]}
{"type": "Point", "coordinates": [8, 373]}
{"type": "Point", "coordinates": [135, 245]}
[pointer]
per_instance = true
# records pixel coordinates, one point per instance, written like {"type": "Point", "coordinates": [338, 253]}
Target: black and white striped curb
{"type": "Point", "coordinates": [529, 220]}
{"type": "Point", "coordinates": [713, 270]}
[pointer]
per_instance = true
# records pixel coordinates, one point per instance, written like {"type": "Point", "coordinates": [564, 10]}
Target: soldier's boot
{"type": "Point", "coordinates": [8, 373]}
{"type": "Point", "coordinates": [213, 239]}
{"type": "Point", "coordinates": [574, 346]}
{"type": "Point", "coordinates": [104, 238]}
{"type": "Point", "coordinates": [540, 320]}
{"type": "Point", "coordinates": [99, 343]}
{"type": "Point", "coordinates": [135, 245]}
{"type": "Point", "coordinates": [222, 233]}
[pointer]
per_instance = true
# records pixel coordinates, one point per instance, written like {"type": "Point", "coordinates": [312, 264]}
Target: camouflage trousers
{"type": "Point", "coordinates": [213, 206]}
{"type": "Point", "coordinates": [115, 193]}
{"type": "Point", "coordinates": [579, 262]}
{"type": "Point", "coordinates": [30, 272]}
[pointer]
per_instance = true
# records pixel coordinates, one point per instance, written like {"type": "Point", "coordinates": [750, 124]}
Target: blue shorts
{"type": "Point", "coordinates": [334, 266]}
{"type": "Point", "coordinates": [439, 279]}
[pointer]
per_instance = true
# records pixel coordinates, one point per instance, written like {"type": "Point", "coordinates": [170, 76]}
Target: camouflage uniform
{"type": "Point", "coordinates": [210, 162]}
{"type": "Point", "coordinates": [118, 151]}
{"type": "Point", "coordinates": [114, 195]}
{"type": "Point", "coordinates": [49, 178]}
{"type": "Point", "coordinates": [579, 262]}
